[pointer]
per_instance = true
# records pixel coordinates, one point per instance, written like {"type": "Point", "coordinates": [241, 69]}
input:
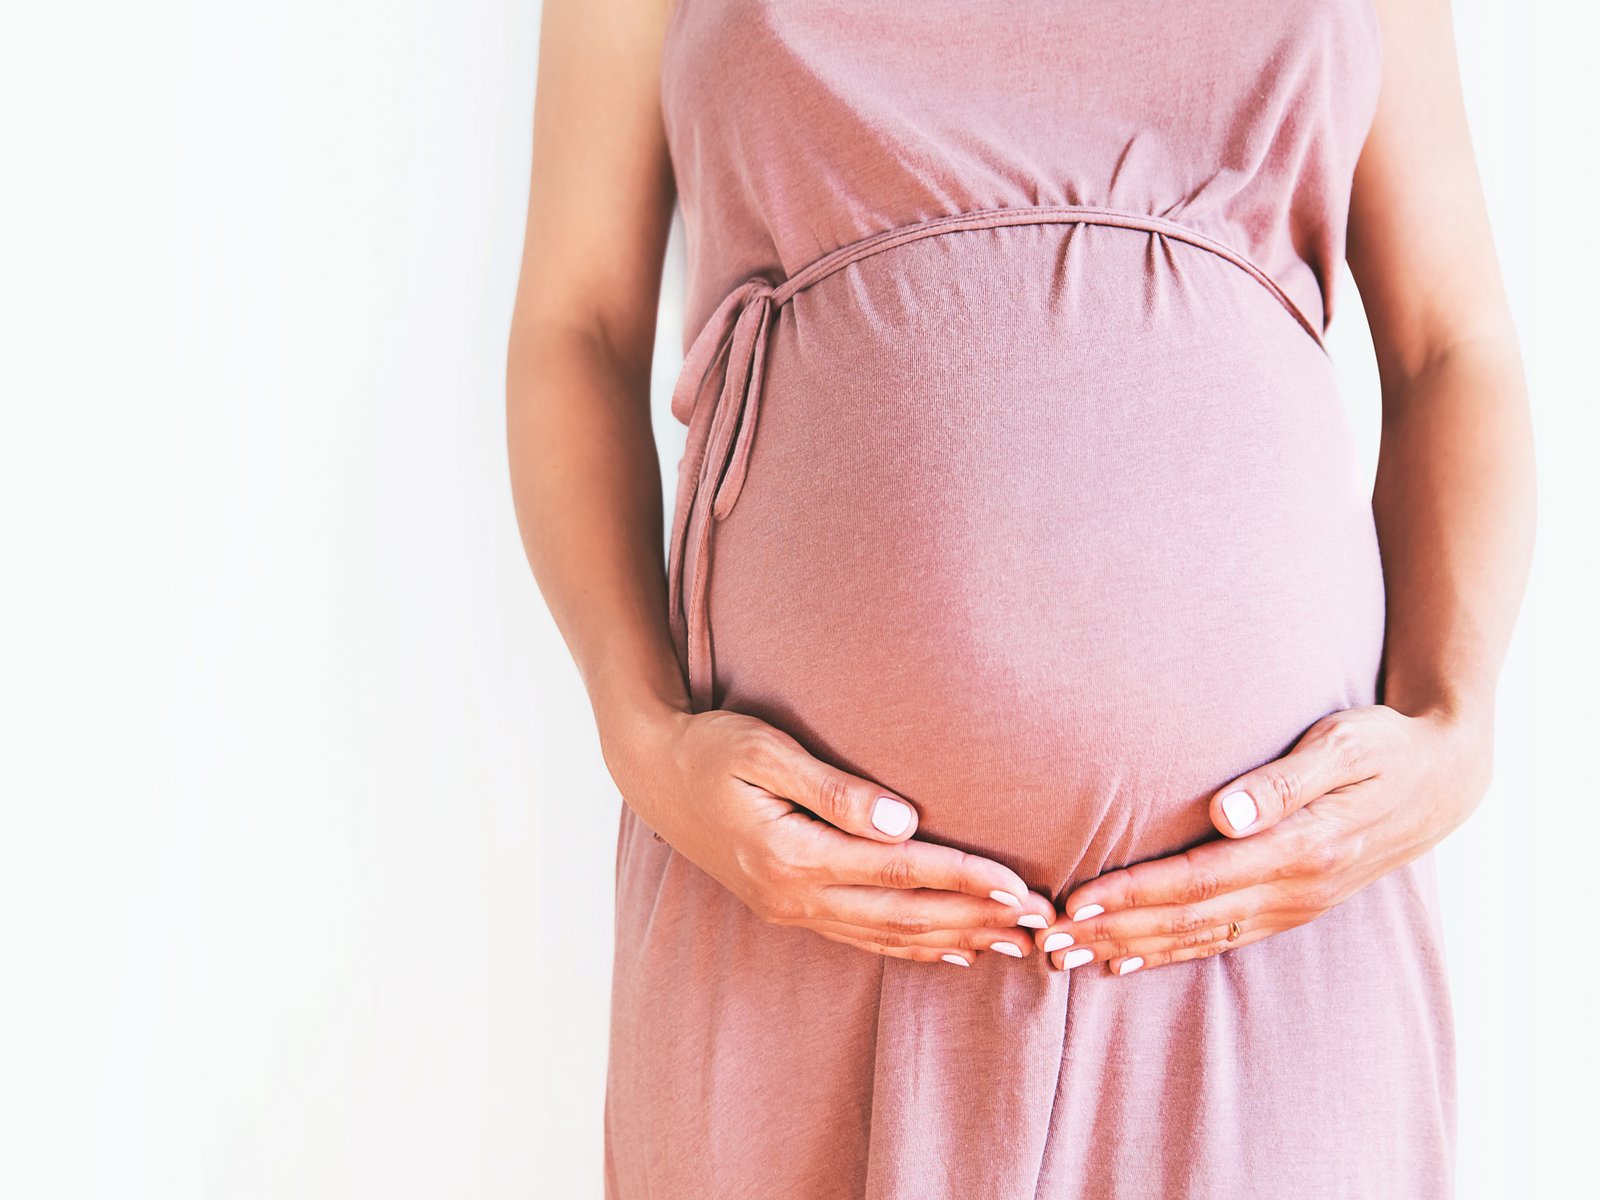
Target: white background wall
{"type": "Point", "coordinates": [307, 845]}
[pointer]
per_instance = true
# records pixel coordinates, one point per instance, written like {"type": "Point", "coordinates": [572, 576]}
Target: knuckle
{"type": "Point", "coordinates": [906, 920]}
{"type": "Point", "coordinates": [1320, 895]}
{"type": "Point", "coordinates": [897, 872]}
{"type": "Point", "coordinates": [1285, 788]}
{"type": "Point", "coordinates": [990, 918]}
{"type": "Point", "coordinates": [1322, 855]}
{"type": "Point", "coordinates": [763, 748]}
{"type": "Point", "coordinates": [782, 867]}
{"type": "Point", "coordinates": [1344, 741]}
{"type": "Point", "coordinates": [749, 859]}
{"type": "Point", "coordinates": [1204, 882]}
{"type": "Point", "coordinates": [833, 795]}
{"type": "Point", "coordinates": [963, 872]}
{"type": "Point", "coordinates": [1127, 890]}
{"type": "Point", "coordinates": [798, 860]}
{"type": "Point", "coordinates": [891, 938]}
{"type": "Point", "coordinates": [761, 861]}
{"type": "Point", "coordinates": [1187, 920]}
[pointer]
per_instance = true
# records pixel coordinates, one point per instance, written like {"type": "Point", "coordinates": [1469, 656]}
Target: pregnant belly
{"type": "Point", "coordinates": [1053, 529]}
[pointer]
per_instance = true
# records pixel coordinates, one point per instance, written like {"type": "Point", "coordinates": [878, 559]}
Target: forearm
{"type": "Point", "coordinates": [1454, 505]}
{"type": "Point", "coordinates": [587, 488]}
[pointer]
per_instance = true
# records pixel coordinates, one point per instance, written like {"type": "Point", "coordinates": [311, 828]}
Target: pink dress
{"type": "Point", "coordinates": [1018, 480]}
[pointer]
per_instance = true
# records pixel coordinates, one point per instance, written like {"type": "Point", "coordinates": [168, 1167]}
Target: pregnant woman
{"type": "Point", "coordinates": [1034, 735]}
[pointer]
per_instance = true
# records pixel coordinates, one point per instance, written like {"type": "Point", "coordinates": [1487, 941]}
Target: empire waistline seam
{"type": "Point", "coordinates": [836, 259]}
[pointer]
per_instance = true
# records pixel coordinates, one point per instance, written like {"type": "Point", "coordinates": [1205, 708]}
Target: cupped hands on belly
{"type": "Point", "coordinates": [1362, 792]}
{"type": "Point", "coordinates": [803, 843]}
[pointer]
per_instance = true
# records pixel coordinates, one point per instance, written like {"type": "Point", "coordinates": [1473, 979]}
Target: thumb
{"type": "Point", "coordinates": [847, 801]}
{"type": "Point", "coordinates": [1326, 757]}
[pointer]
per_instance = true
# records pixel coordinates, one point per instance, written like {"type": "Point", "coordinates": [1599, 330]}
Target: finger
{"type": "Point", "coordinates": [1198, 949]}
{"type": "Point", "coordinates": [918, 864]}
{"type": "Point", "coordinates": [909, 910]}
{"type": "Point", "coordinates": [1197, 874]}
{"type": "Point", "coordinates": [1151, 925]}
{"type": "Point", "coordinates": [1120, 953]}
{"type": "Point", "coordinates": [781, 764]}
{"type": "Point", "coordinates": [951, 955]}
{"type": "Point", "coordinates": [1013, 943]}
{"type": "Point", "coordinates": [1333, 753]}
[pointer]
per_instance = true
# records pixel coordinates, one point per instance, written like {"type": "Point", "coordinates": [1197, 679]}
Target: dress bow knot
{"type": "Point", "coordinates": [718, 396]}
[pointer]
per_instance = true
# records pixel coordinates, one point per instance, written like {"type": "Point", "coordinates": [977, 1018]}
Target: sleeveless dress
{"type": "Point", "coordinates": [1018, 480]}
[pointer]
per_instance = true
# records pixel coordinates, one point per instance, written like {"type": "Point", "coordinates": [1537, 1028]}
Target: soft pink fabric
{"type": "Point", "coordinates": [1018, 480]}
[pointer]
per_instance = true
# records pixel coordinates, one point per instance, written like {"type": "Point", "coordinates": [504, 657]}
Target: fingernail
{"type": "Point", "coordinates": [1130, 964]}
{"type": "Point", "coordinates": [891, 816]}
{"type": "Point", "coordinates": [1005, 898]}
{"type": "Point", "coordinates": [1033, 921]}
{"type": "Point", "coordinates": [955, 959]}
{"type": "Point", "coordinates": [1057, 941]}
{"type": "Point", "coordinates": [1240, 810]}
{"type": "Point", "coordinates": [1007, 948]}
{"type": "Point", "coordinates": [1087, 911]}
{"type": "Point", "coordinates": [1076, 958]}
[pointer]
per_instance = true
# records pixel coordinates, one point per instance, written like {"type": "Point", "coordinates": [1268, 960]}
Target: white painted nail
{"type": "Point", "coordinates": [891, 816]}
{"type": "Point", "coordinates": [1007, 948]}
{"type": "Point", "coordinates": [955, 959]}
{"type": "Point", "coordinates": [1240, 810]}
{"type": "Point", "coordinates": [1076, 958]}
{"type": "Point", "coordinates": [1057, 941]}
{"type": "Point", "coordinates": [1005, 898]}
{"type": "Point", "coordinates": [1087, 911]}
{"type": "Point", "coordinates": [1033, 921]}
{"type": "Point", "coordinates": [1130, 964]}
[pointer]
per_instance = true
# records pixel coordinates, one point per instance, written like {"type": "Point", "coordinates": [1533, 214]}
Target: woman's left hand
{"type": "Point", "coordinates": [1363, 791]}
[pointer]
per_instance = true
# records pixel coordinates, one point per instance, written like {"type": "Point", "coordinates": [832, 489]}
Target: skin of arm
{"type": "Point", "coordinates": [799, 841]}
{"type": "Point", "coordinates": [584, 470]}
{"type": "Point", "coordinates": [1366, 790]}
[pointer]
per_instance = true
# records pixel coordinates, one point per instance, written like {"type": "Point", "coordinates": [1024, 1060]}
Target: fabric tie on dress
{"type": "Point", "coordinates": [715, 458]}
{"type": "Point", "coordinates": [721, 415]}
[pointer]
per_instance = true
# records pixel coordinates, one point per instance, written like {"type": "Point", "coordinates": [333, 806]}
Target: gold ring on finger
{"type": "Point", "coordinates": [1233, 930]}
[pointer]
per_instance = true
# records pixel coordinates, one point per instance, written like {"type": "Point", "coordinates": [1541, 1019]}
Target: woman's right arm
{"type": "Point", "coordinates": [794, 837]}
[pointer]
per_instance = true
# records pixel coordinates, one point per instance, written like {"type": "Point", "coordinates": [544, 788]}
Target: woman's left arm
{"type": "Point", "coordinates": [1366, 790]}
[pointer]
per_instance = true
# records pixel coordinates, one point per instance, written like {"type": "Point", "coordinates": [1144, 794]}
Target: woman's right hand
{"type": "Point", "coordinates": [803, 843]}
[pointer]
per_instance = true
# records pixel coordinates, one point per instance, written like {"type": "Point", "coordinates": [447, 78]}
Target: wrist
{"type": "Point", "coordinates": [635, 733]}
{"type": "Point", "coordinates": [632, 692]}
{"type": "Point", "coordinates": [1462, 737]}
{"type": "Point", "coordinates": [1460, 705]}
